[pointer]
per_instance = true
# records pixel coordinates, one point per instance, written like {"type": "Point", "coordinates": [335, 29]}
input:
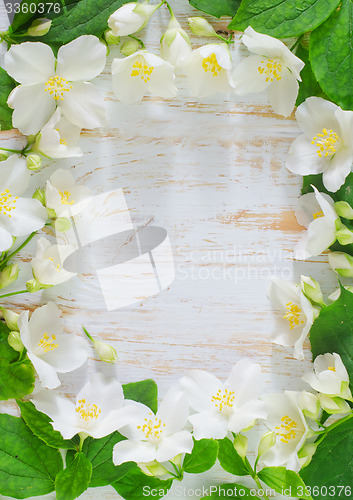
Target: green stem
{"type": "Point", "coordinates": [333, 426]}
{"type": "Point", "coordinates": [12, 293]}
{"type": "Point", "coordinates": [169, 8]}
{"type": "Point", "coordinates": [4, 262]}
{"type": "Point", "coordinates": [88, 335]}
{"type": "Point", "coordinates": [296, 43]}
{"type": "Point", "coordinates": [257, 481]}
{"type": "Point", "coordinates": [178, 472]}
{"type": "Point", "coordinates": [143, 47]}
{"type": "Point", "coordinates": [18, 151]}
{"type": "Point", "coordinates": [227, 40]}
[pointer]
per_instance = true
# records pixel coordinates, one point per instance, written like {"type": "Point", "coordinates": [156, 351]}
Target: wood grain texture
{"type": "Point", "coordinates": [212, 173]}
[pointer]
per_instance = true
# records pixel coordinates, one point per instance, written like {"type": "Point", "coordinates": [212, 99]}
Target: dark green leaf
{"type": "Point", "coordinates": [145, 392]}
{"type": "Point", "coordinates": [217, 8]}
{"type": "Point", "coordinates": [135, 485]}
{"type": "Point", "coordinates": [282, 18]}
{"type": "Point", "coordinates": [16, 377]}
{"type": "Point", "coordinates": [332, 465]}
{"type": "Point", "coordinates": [28, 466]}
{"type": "Point", "coordinates": [332, 331]}
{"type": "Point", "coordinates": [6, 85]}
{"type": "Point", "coordinates": [39, 423]}
{"type": "Point", "coordinates": [309, 85]}
{"type": "Point", "coordinates": [74, 480]}
{"type": "Point", "coordinates": [88, 17]}
{"type": "Point", "coordinates": [229, 459]}
{"type": "Point", "coordinates": [286, 482]}
{"type": "Point", "coordinates": [345, 193]}
{"type": "Point", "coordinates": [230, 490]}
{"type": "Point", "coordinates": [100, 454]}
{"type": "Point", "coordinates": [331, 55]}
{"type": "Point", "coordinates": [202, 457]}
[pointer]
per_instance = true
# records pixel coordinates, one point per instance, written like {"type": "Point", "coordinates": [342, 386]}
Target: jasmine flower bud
{"type": "Point", "coordinates": [106, 352]}
{"type": "Point", "coordinates": [14, 340]}
{"type": "Point", "coordinates": [344, 209]}
{"type": "Point", "coordinates": [39, 27]}
{"type": "Point", "coordinates": [342, 263]}
{"type": "Point", "coordinates": [240, 444]}
{"type": "Point", "coordinates": [8, 275]}
{"type": "Point", "coordinates": [130, 47]}
{"type": "Point", "coordinates": [312, 290]}
{"type": "Point", "coordinates": [111, 38]}
{"type": "Point", "coordinates": [201, 27]}
{"type": "Point", "coordinates": [10, 318]}
{"type": "Point", "coordinates": [34, 162]}
{"type": "Point", "coordinates": [266, 442]}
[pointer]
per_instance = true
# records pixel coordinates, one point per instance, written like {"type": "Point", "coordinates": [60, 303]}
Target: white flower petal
{"type": "Point", "coordinates": [70, 354]}
{"type": "Point", "coordinates": [84, 106]}
{"type": "Point", "coordinates": [162, 82]}
{"type": "Point", "coordinates": [171, 446]}
{"type": "Point", "coordinates": [15, 175]}
{"type": "Point", "coordinates": [321, 235]}
{"type": "Point", "coordinates": [133, 451]}
{"type": "Point", "coordinates": [30, 62]}
{"type": "Point", "coordinates": [338, 169]}
{"type": "Point", "coordinates": [303, 159]}
{"type": "Point", "coordinates": [46, 373]}
{"type": "Point", "coordinates": [174, 411]}
{"type": "Point", "coordinates": [245, 381]}
{"type": "Point", "coordinates": [82, 59]}
{"type": "Point", "coordinates": [247, 78]}
{"type": "Point", "coordinates": [6, 240]}
{"type": "Point", "coordinates": [264, 45]}
{"type": "Point", "coordinates": [200, 386]}
{"type": "Point", "coordinates": [246, 415]}
{"type": "Point", "coordinates": [314, 114]}
{"type": "Point", "coordinates": [59, 409]}
{"type": "Point", "coordinates": [32, 107]}
{"type": "Point", "coordinates": [209, 425]}
{"type": "Point", "coordinates": [107, 394]}
{"type": "Point", "coordinates": [282, 94]}
{"type": "Point", "coordinates": [29, 215]}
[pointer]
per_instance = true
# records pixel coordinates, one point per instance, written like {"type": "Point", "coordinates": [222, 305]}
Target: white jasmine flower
{"type": "Point", "coordinates": [208, 70]}
{"type": "Point", "coordinates": [230, 406]}
{"type": "Point", "coordinates": [59, 138]}
{"type": "Point", "coordinates": [297, 315]}
{"type": "Point", "coordinates": [175, 43]}
{"type": "Point", "coordinates": [159, 436]}
{"type": "Point", "coordinates": [316, 212]}
{"type": "Point", "coordinates": [130, 18]}
{"type": "Point", "coordinates": [64, 196]}
{"type": "Point", "coordinates": [329, 376]}
{"type": "Point", "coordinates": [98, 410]}
{"type": "Point", "coordinates": [18, 216]}
{"type": "Point", "coordinates": [272, 67]}
{"type": "Point", "coordinates": [326, 145]}
{"type": "Point", "coordinates": [141, 73]}
{"type": "Point", "coordinates": [47, 265]}
{"type": "Point", "coordinates": [50, 350]}
{"type": "Point", "coordinates": [287, 420]}
{"type": "Point", "coordinates": [47, 83]}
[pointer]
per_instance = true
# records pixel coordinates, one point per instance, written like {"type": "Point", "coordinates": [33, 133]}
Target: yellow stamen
{"type": "Point", "coordinates": [332, 368]}
{"type": "Point", "coordinates": [56, 86]}
{"type": "Point", "coordinates": [223, 400]}
{"type": "Point", "coordinates": [317, 215]}
{"type": "Point", "coordinates": [47, 343]}
{"type": "Point", "coordinates": [142, 69]}
{"type": "Point", "coordinates": [287, 430]}
{"type": "Point", "coordinates": [152, 428]}
{"type": "Point", "coordinates": [294, 315]}
{"type": "Point", "coordinates": [271, 68]}
{"type": "Point", "coordinates": [65, 198]}
{"type": "Point", "coordinates": [87, 410]}
{"type": "Point", "coordinates": [210, 63]}
{"type": "Point", "coordinates": [7, 203]}
{"type": "Point", "coordinates": [326, 143]}
{"type": "Point", "coordinates": [63, 141]}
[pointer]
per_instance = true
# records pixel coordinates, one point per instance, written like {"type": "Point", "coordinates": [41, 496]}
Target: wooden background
{"type": "Point", "coordinates": [212, 173]}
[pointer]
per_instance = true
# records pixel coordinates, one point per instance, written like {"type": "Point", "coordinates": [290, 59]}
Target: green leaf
{"type": "Point", "coordinates": [28, 466]}
{"type": "Point", "coordinates": [100, 453]}
{"type": "Point", "coordinates": [229, 459]}
{"type": "Point", "coordinates": [88, 17]}
{"type": "Point", "coordinates": [202, 457]}
{"type": "Point", "coordinates": [16, 377]}
{"type": "Point", "coordinates": [331, 55]}
{"type": "Point", "coordinates": [345, 193]}
{"type": "Point", "coordinates": [6, 85]}
{"type": "Point", "coordinates": [145, 392]}
{"type": "Point", "coordinates": [282, 18]}
{"type": "Point", "coordinates": [74, 480]}
{"type": "Point", "coordinates": [332, 465]}
{"type": "Point", "coordinates": [135, 485]}
{"type": "Point", "coordinates": [309, 85]}
{"type": "Point", "coordinates": [39, 423]}
{"type": "Point", "coordinates": [332, 331]}
{"type": "Point", "coordinates": [217, 8]}
{"type": "Point", "coordinates": [230, 490]}
{"type": "Point", "coordinates": [286, 482]}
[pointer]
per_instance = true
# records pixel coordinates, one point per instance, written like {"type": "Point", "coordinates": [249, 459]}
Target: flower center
{"type": "Point", "coordinates": [152, 428]}
{"type": "Point", "coordinates": [223, 400]}
{"type": "Point", "coordinates": [57, 267]}
{"type": "Point", "coordinates": [7, 203]}
{"type": "Point", "coordinates": [210, 63]}
{"type": "Point", "coordinates": [287, 430]}
{"type": "Point", "coordinates": [65, 195]}
{"type": "Point", "coordinates": [294, 315]}
{"type": "Point", "coordinates": [47, 343]}
{"type": "Point", "coordinates": [317, 215]}
{"type": "Point", "coordinates": [331, 368]}
{"type": "Point", "coordinates": [270, 68]}
{"type": "Point", "coordinates": [142, 69]}
{"type": "Point", "coordinates": [57, 86]}
{"type": "Point", "coordinates": [87, 410]}
{"type": "Point", "coordinates": [326, 143]}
